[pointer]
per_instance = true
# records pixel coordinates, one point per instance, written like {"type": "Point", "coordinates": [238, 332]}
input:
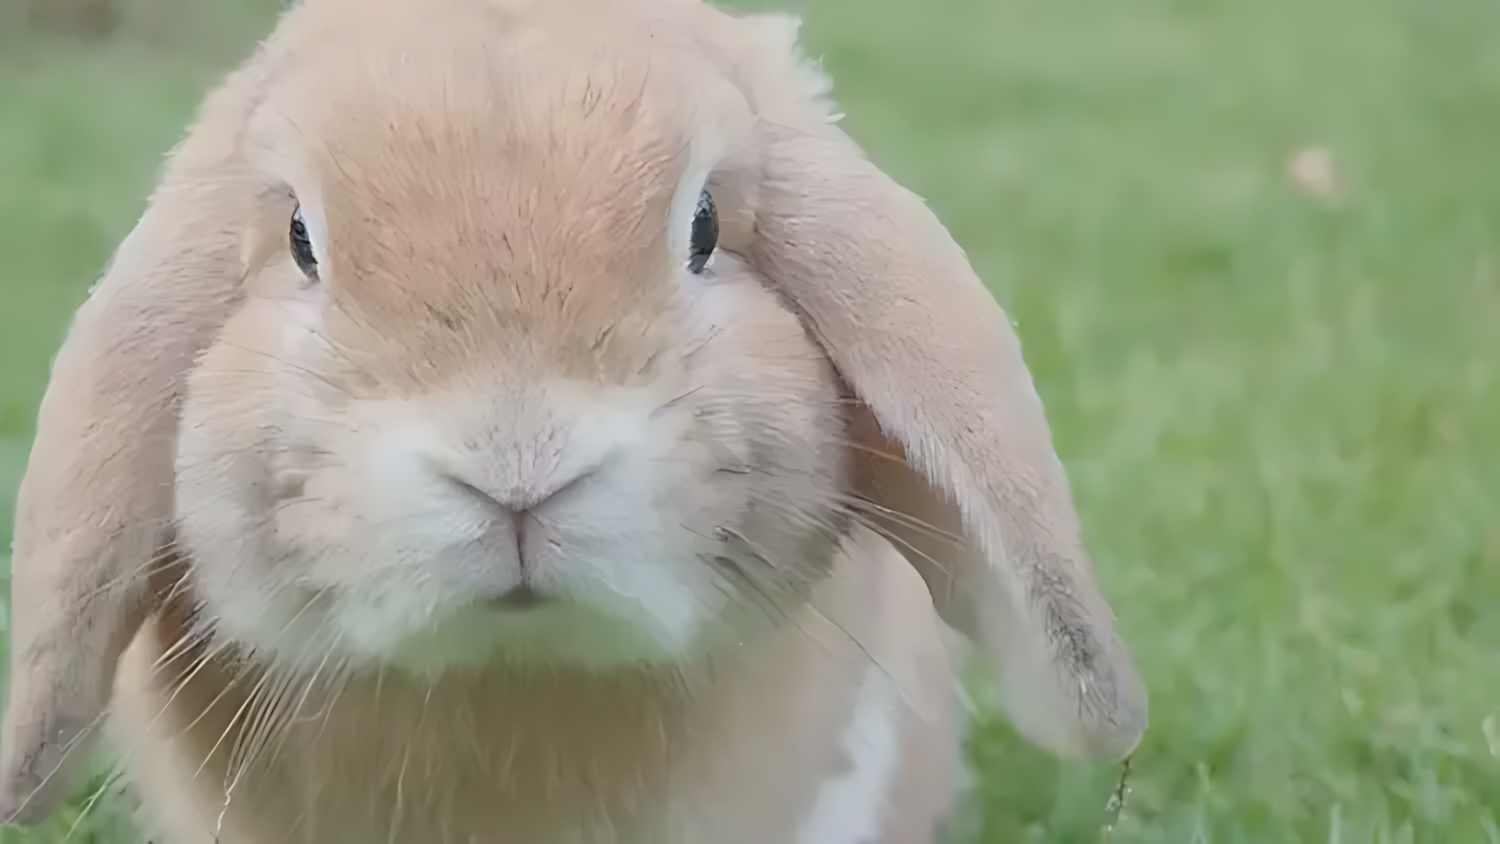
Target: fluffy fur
{"type": "Point", "coordinates": [504, 525]}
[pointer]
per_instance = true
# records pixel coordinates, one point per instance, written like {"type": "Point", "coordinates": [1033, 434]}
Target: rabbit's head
{"type": "Point", "coordinates": [496, 389]}
{"type": "Point", "coordinates": [470, 330]}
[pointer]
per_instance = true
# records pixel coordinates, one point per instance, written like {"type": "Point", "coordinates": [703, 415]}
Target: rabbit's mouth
{"type": "Point", "coordinates": [519, 599]}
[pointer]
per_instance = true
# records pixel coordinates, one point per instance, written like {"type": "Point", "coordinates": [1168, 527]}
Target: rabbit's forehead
{"type": "Point", "coordinates": [533, 104]}
{"type": "Point", "coordinates": [540, 118]}
{"type": "Point", "coordinates": [471, 235]}
{"type": "Point", "coordinates": [515, 180]}
{"type": "Point", "coordinates": [545, 197]}
{"type": "Point", "coordinates": [482, 55]}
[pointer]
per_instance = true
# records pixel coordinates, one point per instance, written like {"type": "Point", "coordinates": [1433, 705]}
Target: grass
{"type": "Point", "coordinates": [1280, 411]}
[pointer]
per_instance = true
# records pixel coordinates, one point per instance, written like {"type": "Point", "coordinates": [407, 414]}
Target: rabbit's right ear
{"type": "Point", "coordinates": [931, 357]}
{"type": "Point", "coordinates": [96, 498]}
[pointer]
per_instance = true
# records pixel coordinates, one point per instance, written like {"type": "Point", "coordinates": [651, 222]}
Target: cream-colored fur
{"type": "Point", "coordinates": [295, 506]}
{"type": "Point", "coordinates": [839, 728]}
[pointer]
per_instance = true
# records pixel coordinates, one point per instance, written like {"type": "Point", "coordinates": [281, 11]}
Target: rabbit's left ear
{"type": "Point", "coordinates": [96, 503]}
{"type": "Point", "coordinates": [892, 299]}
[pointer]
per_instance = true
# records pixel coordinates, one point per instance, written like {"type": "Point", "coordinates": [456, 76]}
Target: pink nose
{"type": "Point", "coordinates": [518, 506]}
{"type": "Point", "coordinates": [521, 498]}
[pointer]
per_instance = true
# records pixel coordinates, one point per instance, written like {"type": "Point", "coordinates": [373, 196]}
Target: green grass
{"type": "Point", "coordinates": [1281, 414]}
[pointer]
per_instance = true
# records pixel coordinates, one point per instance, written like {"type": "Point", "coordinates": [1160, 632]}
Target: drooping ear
{"type": "Point", "coordinates": [96, 498]}
{"type": "Point", "coordinates": [926, 348]}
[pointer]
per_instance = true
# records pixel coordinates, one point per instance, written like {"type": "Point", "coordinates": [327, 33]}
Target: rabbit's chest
{"type": "Point", "coordinates": [826, 779]}
{"type": "Point", "coordinates": [815, 762]}
{"type": "Point", "coordinates": [830, 733]}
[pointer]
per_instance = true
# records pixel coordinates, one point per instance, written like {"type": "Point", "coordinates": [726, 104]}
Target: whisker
{"type": "Point", "coordinates": [669, 404]}
{"type": "Point", "coordinates": [234, 721]}
{"type": "Point", "coordinates": [900, 541]}
{"type": "Point", "coordinates": [195, 637]}
{"type": "Point", "coordinates": [906, 520]}
{"type": "Point", "coordinates": [62, 759]}
{"type": "Point", "coordinates": [811, 607]}
{"type": "Point", "coordinates": [871, 450]}
{"type": "Point", "coordinates": [284, 362]}
{"type": "Point", "coordinates": [258, 725]}
{"type": "Point", "coordinates": [157, 558]}
{"type": "Point", "coordinates": [113, 777]}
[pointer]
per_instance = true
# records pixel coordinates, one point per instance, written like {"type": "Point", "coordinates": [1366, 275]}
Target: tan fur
{"type": "Point", "coordinates": [494, 178]}
{"type": "Point", "coordinates": [730, 753]}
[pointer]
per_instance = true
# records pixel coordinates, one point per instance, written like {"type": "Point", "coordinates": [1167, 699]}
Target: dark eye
{"type": "Point", "coordinates": [302, 249]}
{"type": "Point", "coordinates": [705, 233]}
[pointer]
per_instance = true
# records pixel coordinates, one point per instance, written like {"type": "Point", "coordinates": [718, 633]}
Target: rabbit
{"type": "Point", "coordinates": [540, 422]}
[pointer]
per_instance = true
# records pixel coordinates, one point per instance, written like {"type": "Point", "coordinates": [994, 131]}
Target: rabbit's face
{"type": "Point", "coordinates": [496, 391]}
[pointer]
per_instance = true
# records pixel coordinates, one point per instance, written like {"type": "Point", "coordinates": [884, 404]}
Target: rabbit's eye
{"type": "Point", "coordinates": [302, 250]}
{"type": "Point", "coordinates": [705, 233]}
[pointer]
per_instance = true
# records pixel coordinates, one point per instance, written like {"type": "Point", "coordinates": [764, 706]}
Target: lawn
{"type": "Point", "coordinates": [1279, 402]}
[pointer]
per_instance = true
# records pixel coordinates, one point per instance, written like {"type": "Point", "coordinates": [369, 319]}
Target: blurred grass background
{"type": "Point", "coordinates": [1250, 247]}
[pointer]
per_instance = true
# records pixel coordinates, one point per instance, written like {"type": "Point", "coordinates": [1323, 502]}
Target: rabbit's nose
{"type": "Point", "coordinates": [518, 500]}
{"type": "Point", "coordinates": [517, 506]}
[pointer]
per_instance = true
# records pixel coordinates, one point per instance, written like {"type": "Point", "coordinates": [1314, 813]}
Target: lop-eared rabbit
{"type": "Point", "coordinates": [532, 422]}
